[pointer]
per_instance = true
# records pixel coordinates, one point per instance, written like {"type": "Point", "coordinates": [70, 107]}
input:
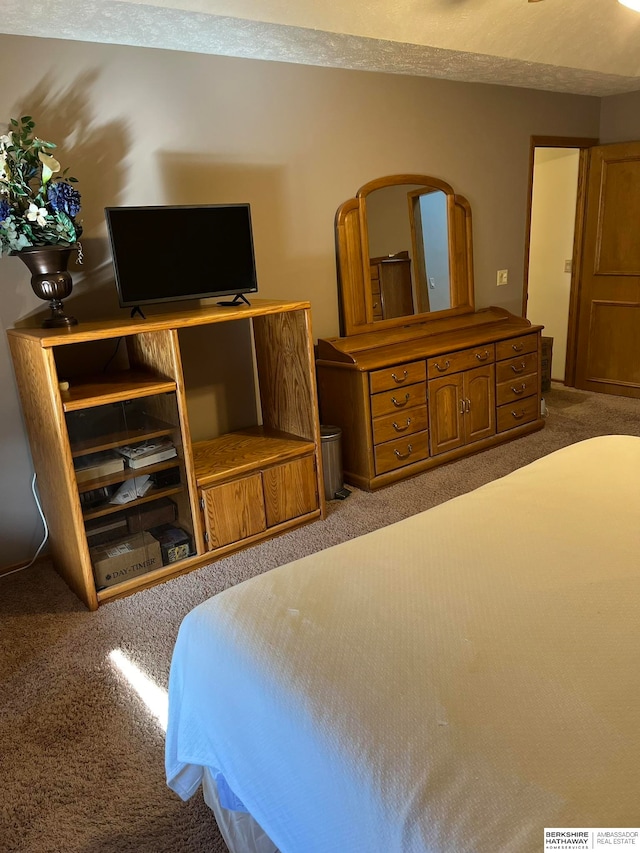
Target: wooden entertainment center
{"type": "Point", "coordinates": [212, 496]}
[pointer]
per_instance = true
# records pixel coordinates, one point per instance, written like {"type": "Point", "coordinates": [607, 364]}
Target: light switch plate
{"type": "Point", "coordinates": [503, 277]}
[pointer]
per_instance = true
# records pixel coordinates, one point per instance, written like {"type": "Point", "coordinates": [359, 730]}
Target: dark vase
{"type": "Point", "coordinates": [50, 279]}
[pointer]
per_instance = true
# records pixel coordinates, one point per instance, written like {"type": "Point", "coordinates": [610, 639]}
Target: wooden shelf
{"type": "Point", "coordinates": [113, 388]}
{"type": "Point", "coordinates": [150, 428]}
{"type": "Point", "coordinates": [127, 474]}
{"type": "Point", "coordinates": [241, 452]}
{"type": "Point", "coordinates": [108, 509]}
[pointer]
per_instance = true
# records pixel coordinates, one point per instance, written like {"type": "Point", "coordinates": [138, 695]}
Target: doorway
{"type": "Point", "coordinates": [554, 232]}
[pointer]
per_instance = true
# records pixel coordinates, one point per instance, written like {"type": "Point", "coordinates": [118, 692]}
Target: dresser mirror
{"type": "Point", "coordinates": [404, 254]}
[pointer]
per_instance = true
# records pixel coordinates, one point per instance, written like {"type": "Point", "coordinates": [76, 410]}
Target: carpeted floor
{"type": "Point", "coordinates": [81, 757]}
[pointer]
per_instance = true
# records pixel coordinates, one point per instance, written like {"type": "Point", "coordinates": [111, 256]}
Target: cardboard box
{"type": "Point", "coordinates": [122, 559]}
{"type": "Point", "coordinates": [175, 543]}
{"type": "Point", "coordinates": [163, 511]}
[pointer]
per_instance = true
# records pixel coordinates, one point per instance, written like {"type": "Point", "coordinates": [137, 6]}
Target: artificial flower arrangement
{"type": "Point", "coordinates": [38, 203]}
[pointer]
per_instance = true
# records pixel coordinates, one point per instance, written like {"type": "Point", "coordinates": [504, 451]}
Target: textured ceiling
{"type": "Point", "coordinates": [589, 47]}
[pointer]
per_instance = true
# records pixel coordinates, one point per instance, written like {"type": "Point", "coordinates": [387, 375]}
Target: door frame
{"type": "Point", "coordinates": [583, 144]}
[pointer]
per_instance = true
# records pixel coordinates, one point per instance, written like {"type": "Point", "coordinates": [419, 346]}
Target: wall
{"type": "Point", "coordinates": [620, 118]}
{"type": "Point", "coordinates": [553, 212]}
{"type": "Point", "coordinates": [143, 126]}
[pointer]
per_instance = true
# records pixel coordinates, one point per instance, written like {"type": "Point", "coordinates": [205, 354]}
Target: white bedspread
{"type": "Point", "coordinates": [455, 682]}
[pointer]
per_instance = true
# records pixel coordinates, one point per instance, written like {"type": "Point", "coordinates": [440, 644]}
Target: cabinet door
{"type": "Point", "coordinates": [290, 490]}
{"type": "Point", "coordinates": [480, 407]}
{"type": "Point", "coordinates": [233, 511]}
{"type": "Point", "coordinates": [446, 413]}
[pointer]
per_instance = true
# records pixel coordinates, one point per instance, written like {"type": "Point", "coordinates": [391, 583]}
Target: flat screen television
{"type": "Point", "coordinates": [168, 253]}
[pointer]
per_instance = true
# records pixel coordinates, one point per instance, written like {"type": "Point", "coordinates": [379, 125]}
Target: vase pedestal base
{"type": "Point", "coordinates": [58, 318]}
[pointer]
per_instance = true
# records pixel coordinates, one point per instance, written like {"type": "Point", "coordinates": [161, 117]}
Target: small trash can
{"type": "Point", "coordinates": [331, 443]}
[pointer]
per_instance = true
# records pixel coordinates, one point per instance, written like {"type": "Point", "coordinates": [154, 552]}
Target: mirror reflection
{"type": "Point", "coordinates": [408, 247]}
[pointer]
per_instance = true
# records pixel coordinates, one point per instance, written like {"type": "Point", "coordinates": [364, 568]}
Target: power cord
{"type": "Point", "coordinates": [46, 533]}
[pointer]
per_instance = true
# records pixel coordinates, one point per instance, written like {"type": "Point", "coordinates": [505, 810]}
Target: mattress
{"type": "Point", "coordinates": [457, 681]}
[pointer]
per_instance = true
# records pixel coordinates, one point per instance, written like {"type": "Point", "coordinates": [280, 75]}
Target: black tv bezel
{"type": "Point", "coordinates": [236, 291]}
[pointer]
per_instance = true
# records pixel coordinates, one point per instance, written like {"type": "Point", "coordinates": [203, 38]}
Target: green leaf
{"type": "Point", "coordinates": [14, 122]}
{"type": "Point", "coordinates": [25, 119]}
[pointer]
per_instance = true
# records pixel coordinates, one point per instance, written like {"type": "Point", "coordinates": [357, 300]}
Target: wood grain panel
{"type": "Point", "coordinates": [445, 415]}
{"type": "Point", "coordinates": [393, 426]}
{"type": "Point", "coordinates": [614, 343]}
{"type": "Point", "coordinates": [45, 424]}
{"type": "Point", "coordinates": [517, 414]}
{"type": "Point", "coordinates": [285, 370]}
{"type": "Point", "coordinates": [290, 490]}
{"type": "Point", "coordinates": [346, 403]}
{"type": "Point", "coordinates": [618, 249]}
{"type": "Point", "coordinates": [516, 389]}
{"type": "Point", "coordinates": [479, 390]}
{"type": "Point", "coordinates": [397, 376]}
{"type": "Point", "coordinates": [516, 346]}
{"type": "Point", "coordinates": [234, 511]}
{"type": "Point", "coordinates": [516, 367]}
{"type": "Point", "coordinates": [401, 452]}
{"type": "Point", "coordinates": [454, 362]}
{"type": "Point", "coordinates": [404, 398]}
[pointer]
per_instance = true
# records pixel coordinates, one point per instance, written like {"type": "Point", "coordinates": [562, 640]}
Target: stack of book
{"type": "Point", "coordinates": [148, 452]}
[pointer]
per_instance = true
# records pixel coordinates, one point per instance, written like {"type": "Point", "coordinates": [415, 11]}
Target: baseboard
{"type": "Point", "coordinates": [16, 567]}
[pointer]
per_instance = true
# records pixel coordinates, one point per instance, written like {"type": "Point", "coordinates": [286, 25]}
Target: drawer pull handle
{"type": "Point", "coordinates": [404, 455]}
{"type": "Point", "coordinates": [442, 369]}
{"type": "Point", "coordinates": [399, 428]}
{"type": "Point", "coordinates": [518, 369]}
{"type": "Point", "coordinates": [481, 357]}
{"type": "Point", "coordinates": [518, 416]}
{"type": "Point", "coordinates": [398, 404]}
{"type": "Point", "coordinates": [519, 390]}
{"type": "Point", "coordinates": [517, 347]}
{"type": "Point", "coordinates": [402, 378]}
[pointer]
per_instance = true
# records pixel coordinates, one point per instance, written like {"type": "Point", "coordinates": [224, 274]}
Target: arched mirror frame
{"type": "Point", "coordinates": [356, 303]}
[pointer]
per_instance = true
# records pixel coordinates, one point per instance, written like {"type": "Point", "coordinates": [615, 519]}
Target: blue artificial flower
{"type": "Point", "coordinates": [63, 198]}
{"type": "Point", "coordinates": [5, 209]}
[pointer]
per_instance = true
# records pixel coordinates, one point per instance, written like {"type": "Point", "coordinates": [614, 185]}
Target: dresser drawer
{"type": "Point", "coordinates": [395, 377]}
{"type": "Point", "coordinates": [516, 367]}
{"type": "Point", "coordinates": [401, 451]}
{"type": "Point", "coordinates": [516, 346]}
{"type": "Point", "coordinates": [399, 424]}
{"type": "Point", "coordinates": [403, 398]}
{"type": "Point", "coordinates": [454, 362]}
{"type": "Point", "coordinates": [517, 388]}
{"type": "Point", "coordinates": [518, 413]}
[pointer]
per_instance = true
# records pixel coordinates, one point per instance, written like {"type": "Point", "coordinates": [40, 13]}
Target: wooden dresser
{"type": "Point", "coordinates": [422, 397]}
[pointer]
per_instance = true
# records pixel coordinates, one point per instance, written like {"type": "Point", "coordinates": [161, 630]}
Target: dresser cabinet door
{"type": "Point", "coordinates": [289, 490]}
{"type": "Point", "coordinates": [446, 413]}
{"type": "Point", "coordinates": [480, 406]}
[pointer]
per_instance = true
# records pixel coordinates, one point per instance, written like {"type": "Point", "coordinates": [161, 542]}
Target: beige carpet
{"type": "Point", "coordinates": [81, 758]}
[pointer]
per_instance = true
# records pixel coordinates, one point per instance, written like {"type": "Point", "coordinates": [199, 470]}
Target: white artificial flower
{"type": "Point", "coordinates": [6, 139]}
{"type": "Point", "coordinates": [49, 165]}
{"type": "Point", "coordinates": [37, 214]}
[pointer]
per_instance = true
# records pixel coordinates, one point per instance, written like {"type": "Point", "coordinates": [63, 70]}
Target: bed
{"type": "Point", "coordinates": [453, 683]}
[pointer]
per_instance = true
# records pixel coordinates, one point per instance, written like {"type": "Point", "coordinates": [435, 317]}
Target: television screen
{"type": "Point", "coordinates": [162, 254]}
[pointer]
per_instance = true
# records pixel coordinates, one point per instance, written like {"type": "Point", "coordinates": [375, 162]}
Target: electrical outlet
{"type": "Point", "coordinates": [503, 277]}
